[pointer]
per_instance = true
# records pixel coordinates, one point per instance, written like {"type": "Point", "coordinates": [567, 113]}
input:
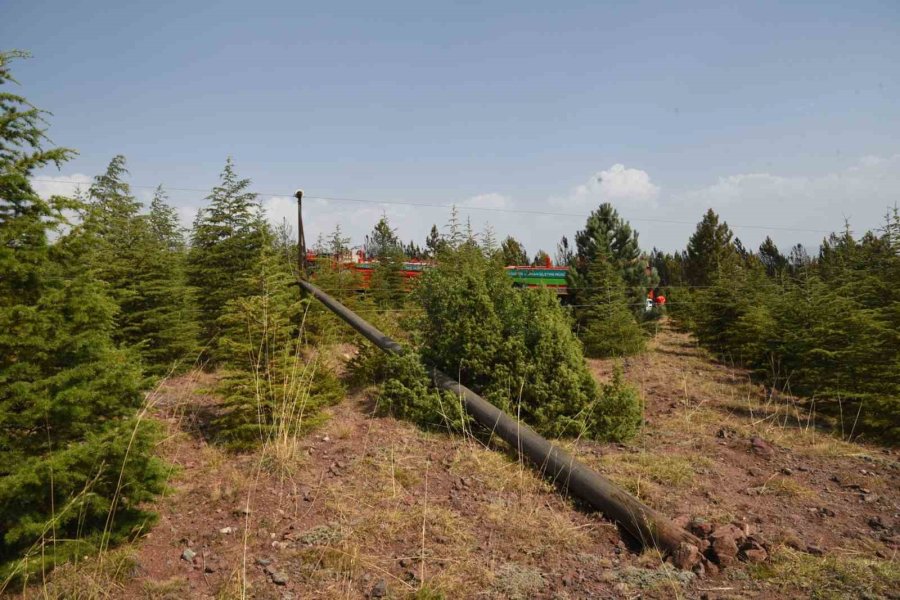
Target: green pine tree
{"type": "Point", "coordinates": [76, 464]}
{"type": "Point", "coordinates": [513, 252]}
{"type": "Point", "coordinates": [274, 384]}
{"type": "Point", "coordinates": [226, 245]}
{"type": "Point", "coordinates": [141, 257]}
{"type": "Point", "coordinates": [708, 250]}
{"type": "Point", "coordinates": [387, 282]}
{"type": "Point", "coordinates": [610, 328]}
{"type": "Point", "coordinates": [606, 233]}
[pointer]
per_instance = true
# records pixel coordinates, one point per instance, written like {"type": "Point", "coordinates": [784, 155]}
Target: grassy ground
{"type": "Point", "coordinates": [371, 504]}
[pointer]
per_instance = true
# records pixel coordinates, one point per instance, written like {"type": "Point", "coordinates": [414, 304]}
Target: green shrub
{"type": "Point", "coordinates": [515, 347]}
{"type": "Point", "coordinates": [274, 383]}
{"type": "Point", "coordinates": [408, 393]}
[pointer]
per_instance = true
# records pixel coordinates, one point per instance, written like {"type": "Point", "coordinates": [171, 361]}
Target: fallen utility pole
{"type": "Point", "coordinates": [648, 526]}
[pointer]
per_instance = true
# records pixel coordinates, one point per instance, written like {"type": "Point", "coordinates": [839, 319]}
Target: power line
{"type": "Point", "coordinates": [521, 211]}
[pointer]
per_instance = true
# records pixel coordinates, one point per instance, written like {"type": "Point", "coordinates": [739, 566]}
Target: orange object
{"type": "Point", "coordinates": [660, 299]}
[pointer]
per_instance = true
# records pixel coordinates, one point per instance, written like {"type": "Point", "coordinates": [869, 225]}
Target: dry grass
{"type": "Point", "coordinates": [831, 577]}
{"type": "Point", "coordinates": [96, 578]}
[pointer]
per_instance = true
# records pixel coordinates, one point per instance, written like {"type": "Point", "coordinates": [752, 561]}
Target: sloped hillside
{"type": "Point", "coordinates": [377, 508]}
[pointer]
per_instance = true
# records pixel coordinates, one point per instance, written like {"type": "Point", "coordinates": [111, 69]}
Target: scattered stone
{"type": "Point", "coordinates": [242, 510]}
{"type": "Point", "coordinates": [306, 493]}
{"type": "Point", "coordinates": [188, 555]}
{"type": "Point", "coordinates": [825, 512]}
{"type": "Point", "coordinates": [876, 523]}
{"type": "Point", "coordinates": [210, 567]}
{"type": "Point", "coordinates": [726, 433]}
{"type": "Point", "coordinates": [379, 590]}
{"type": "Point", "coordinates": [754, 472]}
{"type": "Point", "coordinates": [724, 546]}
{"type": "Point", "coordinates": [815, 550]}
{"type": "Point", "coordinates": [761, 447]}
{"type": "Point", "coordinates": [700, 527]}
{"type": "Point", "coordinates": [226, 530]}
{"type": "Point", "coordinates": [264, 562]}
{"type": "Point", "coordinates": [787, 471]}
{"type": "Point", "coordinates": [686, 556]}
{"type": "Point", "coordinates": [279, 578]}
{"type": "Point", "coordinates": [869, 498]}
{"type": "Point", "coordinates": [754, 552]}
{"type": "Point", "coordinates": [405, 562]}
{"type": "Point", "coordinates": [325, 438]}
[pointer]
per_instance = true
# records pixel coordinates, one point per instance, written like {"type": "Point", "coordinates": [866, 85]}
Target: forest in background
{"type": "Point", "coordinates": [102, 296]}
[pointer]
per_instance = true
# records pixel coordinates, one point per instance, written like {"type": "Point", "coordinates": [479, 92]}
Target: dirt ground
{"type": "Point", "coordinates": [378, 508]}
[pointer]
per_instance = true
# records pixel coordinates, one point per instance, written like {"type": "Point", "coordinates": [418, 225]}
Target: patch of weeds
{"type": "Point", "coordinates": [426, 592]}
{"type": "Point", "coordinates": [405, 477]}
{"type": "Point", "coordinates": [173, 588]}
{"type": "Point", "coordinates": [830, 577]}
{"type": "Point", "coordinates": [649, 579]}
{"type": "Point", "coordinates": [322, 535]}
{"type": "Point", "coordinates": [329, 561]}
{"type": "Point", "coordinates": [783, 486]}
{"type": "Point", "coordinates": [94, 579]}
{"type": "Point", "coordinates": [534, 527]}
{"type": "Point", "coordinates": [495, 471]}
{"type": "Point", "coordinates": [518, 582]}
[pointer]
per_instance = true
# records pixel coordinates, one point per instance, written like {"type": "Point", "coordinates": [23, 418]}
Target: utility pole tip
{"type": "Point", "coordinates": [298, 194]}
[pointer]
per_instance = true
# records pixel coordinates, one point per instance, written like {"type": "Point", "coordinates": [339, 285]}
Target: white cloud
{"type": "Point", "coordinates": [618, 184]}
{"type": "Point", "coordinates": [62, 185]}
{"type": "Point", "coordinates": [758, 204]}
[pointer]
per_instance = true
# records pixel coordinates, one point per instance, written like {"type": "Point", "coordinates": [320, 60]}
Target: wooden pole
{"type": "Point", "coordinates": [301, 238]}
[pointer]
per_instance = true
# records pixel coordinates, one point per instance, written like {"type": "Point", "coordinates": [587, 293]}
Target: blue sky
{"type": "Point", "coordinates": [776, 115]}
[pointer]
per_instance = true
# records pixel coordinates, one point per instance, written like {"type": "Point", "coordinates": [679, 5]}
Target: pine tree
{"type": "Point", "coordinates": [168, 313]}
{"type": "Point", "coordinates": [386, 283]}
{"type": "Point", "coordinates": [455, 236]}
{"type": "Point", "coordinates": [606, 234]}
{"type": "Point", "coordinates": [274, 388]}
{"type": "Point", "coordinates": [515, 347]}
{"type": "Point", "coordinates": [489, 241]}
{"type": "Point", "coordinates": [610, 328]}
{"type": "Point", "coordinates": [434, 243]}
{"type": "Point", "coordinates": [337, 243]}
{"type": "Point", "coordinates": [772, 259]}
{"type": "Point", "coordinates": [141, 258]}
{"type": "Point", "coordinates": [68, 396]}
{"type": "Point", "coordinates": [226, 245]}
{"type": "Point", "coordinates": [513, 252]}
{"type": "Point", "coordinates": [708, 249]}
{"type": "Point", "coordinates": [565, 256]}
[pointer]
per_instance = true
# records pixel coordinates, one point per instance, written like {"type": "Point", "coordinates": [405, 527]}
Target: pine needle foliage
{"type": "Point", "coordinates": [141, 257]}
{"type": "Point", "coordinates": [226, 244]}
{"type": "Point", "coordinates": [827, 328]}
{"type": "Point", "coordinates": [610, 328]}
{"type": "Point", "coordinates": [274, 383]}
{"type": "Point", "coordinates": [606, 236]}
{"type": "Point", "coordinates": [515, 347]}
{"type": "Point", "coordinates": [76, 463]}
{"type": "Point", "coordinates": [387, 283]}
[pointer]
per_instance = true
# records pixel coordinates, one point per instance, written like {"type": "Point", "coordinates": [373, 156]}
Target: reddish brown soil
{"type": "Point", "coordinates": [374, 503]}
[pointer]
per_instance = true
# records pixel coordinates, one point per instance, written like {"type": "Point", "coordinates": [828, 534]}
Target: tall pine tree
{"type": "Point", "coordinates": [226, 245]}
{"type": "Point", "coordinates": [141, 258]}
{"type": "Point", "coordinates": [76, 464]}
{"type": "Point", "coordinates": [609, 326]}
